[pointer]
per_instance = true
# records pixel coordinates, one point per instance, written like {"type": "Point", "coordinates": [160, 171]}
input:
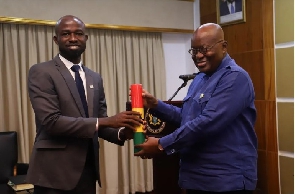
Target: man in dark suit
{"type": "Point", "coordinates": [229, 6]}
{"type": "Point", "coordinates": [65, 153]}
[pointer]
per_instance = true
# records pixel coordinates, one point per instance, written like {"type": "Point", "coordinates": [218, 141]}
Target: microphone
{"type": "Point", "coordinates": [188, 76]}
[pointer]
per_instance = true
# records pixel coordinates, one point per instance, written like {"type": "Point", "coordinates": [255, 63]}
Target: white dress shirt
{"type": "Point", "coordinates": [229, 6]}
{"type": "Point", "coordinates": [69, 64]}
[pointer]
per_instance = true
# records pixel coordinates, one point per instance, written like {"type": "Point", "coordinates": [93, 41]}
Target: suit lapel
{"type": "Point", "coordinates": [89, 89]}
{"type": "Point", "coordinates": [70, 82]}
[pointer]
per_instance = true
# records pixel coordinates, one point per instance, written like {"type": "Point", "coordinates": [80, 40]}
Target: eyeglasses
{"type": "Point", "coordinates": [202, 49]}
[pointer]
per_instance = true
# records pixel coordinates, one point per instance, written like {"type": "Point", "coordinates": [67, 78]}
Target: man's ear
{"type": "Point", "coordinates": [224, 44]}
{"type": "Point", "coordinates": [224, 47]}
{"type": "Point", "coordinates": [55, 39]}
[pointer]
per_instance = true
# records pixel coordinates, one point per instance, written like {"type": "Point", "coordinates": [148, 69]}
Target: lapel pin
{"type": "Point", "coordinates": [202, 95]}
{"type": "Point", "coordinates": [91, 86]}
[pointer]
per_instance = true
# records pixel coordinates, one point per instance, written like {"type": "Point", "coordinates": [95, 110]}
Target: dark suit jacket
{"type": "Point", "coordinates": [223, 8]}
{"type": "Point", "coordinates": [63, 132]}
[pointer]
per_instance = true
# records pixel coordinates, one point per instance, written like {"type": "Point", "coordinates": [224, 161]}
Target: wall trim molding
{"type": "Point", "coordinates": [284, 45]}
{"type": "Point", "coordinates": [283, 99]}
{"type": "Point", "coordinates": [286, 154]}
{"type": "Point", "coordinates": [96, 26]}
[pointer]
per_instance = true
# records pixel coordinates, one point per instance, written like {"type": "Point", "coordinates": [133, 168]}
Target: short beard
{"type": "Point", "coordinates": [71, 54]}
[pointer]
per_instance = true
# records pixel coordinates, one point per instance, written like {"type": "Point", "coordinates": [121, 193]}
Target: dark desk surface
{"type": "Point", "coordinates": [5, 189]}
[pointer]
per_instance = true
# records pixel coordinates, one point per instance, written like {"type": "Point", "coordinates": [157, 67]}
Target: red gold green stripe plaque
{"type": "Point", "coordinates": [137, 105]}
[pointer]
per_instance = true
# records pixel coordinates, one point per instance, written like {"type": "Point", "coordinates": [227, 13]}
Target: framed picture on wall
{"type": "Point", "coordinates": [230, 12]}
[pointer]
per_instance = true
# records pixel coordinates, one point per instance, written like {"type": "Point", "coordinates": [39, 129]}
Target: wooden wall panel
{"type": "Point", "coordinates": [285, 72]}
{"type": "Point", "coordinates": [252, 62]}
{"type": "Point", "coordinates": [265, 126]}
{"type": "Point", "coordinates": [272, 176]}
{"type": "Point", "coordinates": [269, 74]}
{"type": "Point", "coordinates": [260, 128]}
{"type": "Point", "coordinates": [208, 11]}
{"type": "Point", "coordinates": [261, 187]}
{"type": "Point", "coordinates": [284, 21]}
{"type": "Point", "coordinates": [250, 36]}
{"type": "Point", "coordinates": [271, 127]}
{"type": "Point", "coordinates": [268, 177]}
{"type": "Point", "coordinates": [286, 126]}
{"type": "Point", "coordinates": [287, 175]}
{"type": "Point", "coordinates": [267, 23]}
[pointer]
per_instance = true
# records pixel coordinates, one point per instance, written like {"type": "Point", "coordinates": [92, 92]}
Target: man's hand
{"type": "Point", "coordinates": [128, 119]}
{"type": "Point", "coordinates": [129, 133]}
{"type": "Point", "coordinates": [149, 100]}
{"type": "Point", "coordinates": [149, 148]}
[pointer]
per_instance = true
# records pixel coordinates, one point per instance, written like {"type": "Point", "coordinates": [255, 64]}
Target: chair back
{"type": "Point", "coordinates": [8, 154]}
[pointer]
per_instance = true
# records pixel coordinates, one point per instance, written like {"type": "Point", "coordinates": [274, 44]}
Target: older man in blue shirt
{"type": "Point", "coordinates": [216, 138]}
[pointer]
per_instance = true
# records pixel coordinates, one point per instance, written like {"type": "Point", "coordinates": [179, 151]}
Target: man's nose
{"type": "Point", "coordinates": [73, 37]}
{"type": "Point", "coordinates": [199, 55]}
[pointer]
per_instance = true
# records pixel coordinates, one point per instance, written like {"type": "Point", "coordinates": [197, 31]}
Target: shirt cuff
{"type": "Point", "coordinates": [166, 145]}
{"type": "Point", "coordinates": [119, 133]}
{"type": "Point", "coordinates": [160, 146]}
{"type": "Point", "coordinates": [97, 125]}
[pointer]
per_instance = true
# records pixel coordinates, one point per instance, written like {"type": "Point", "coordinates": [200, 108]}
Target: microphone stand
{"type": "Point", "coordinates": [182, 85]}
